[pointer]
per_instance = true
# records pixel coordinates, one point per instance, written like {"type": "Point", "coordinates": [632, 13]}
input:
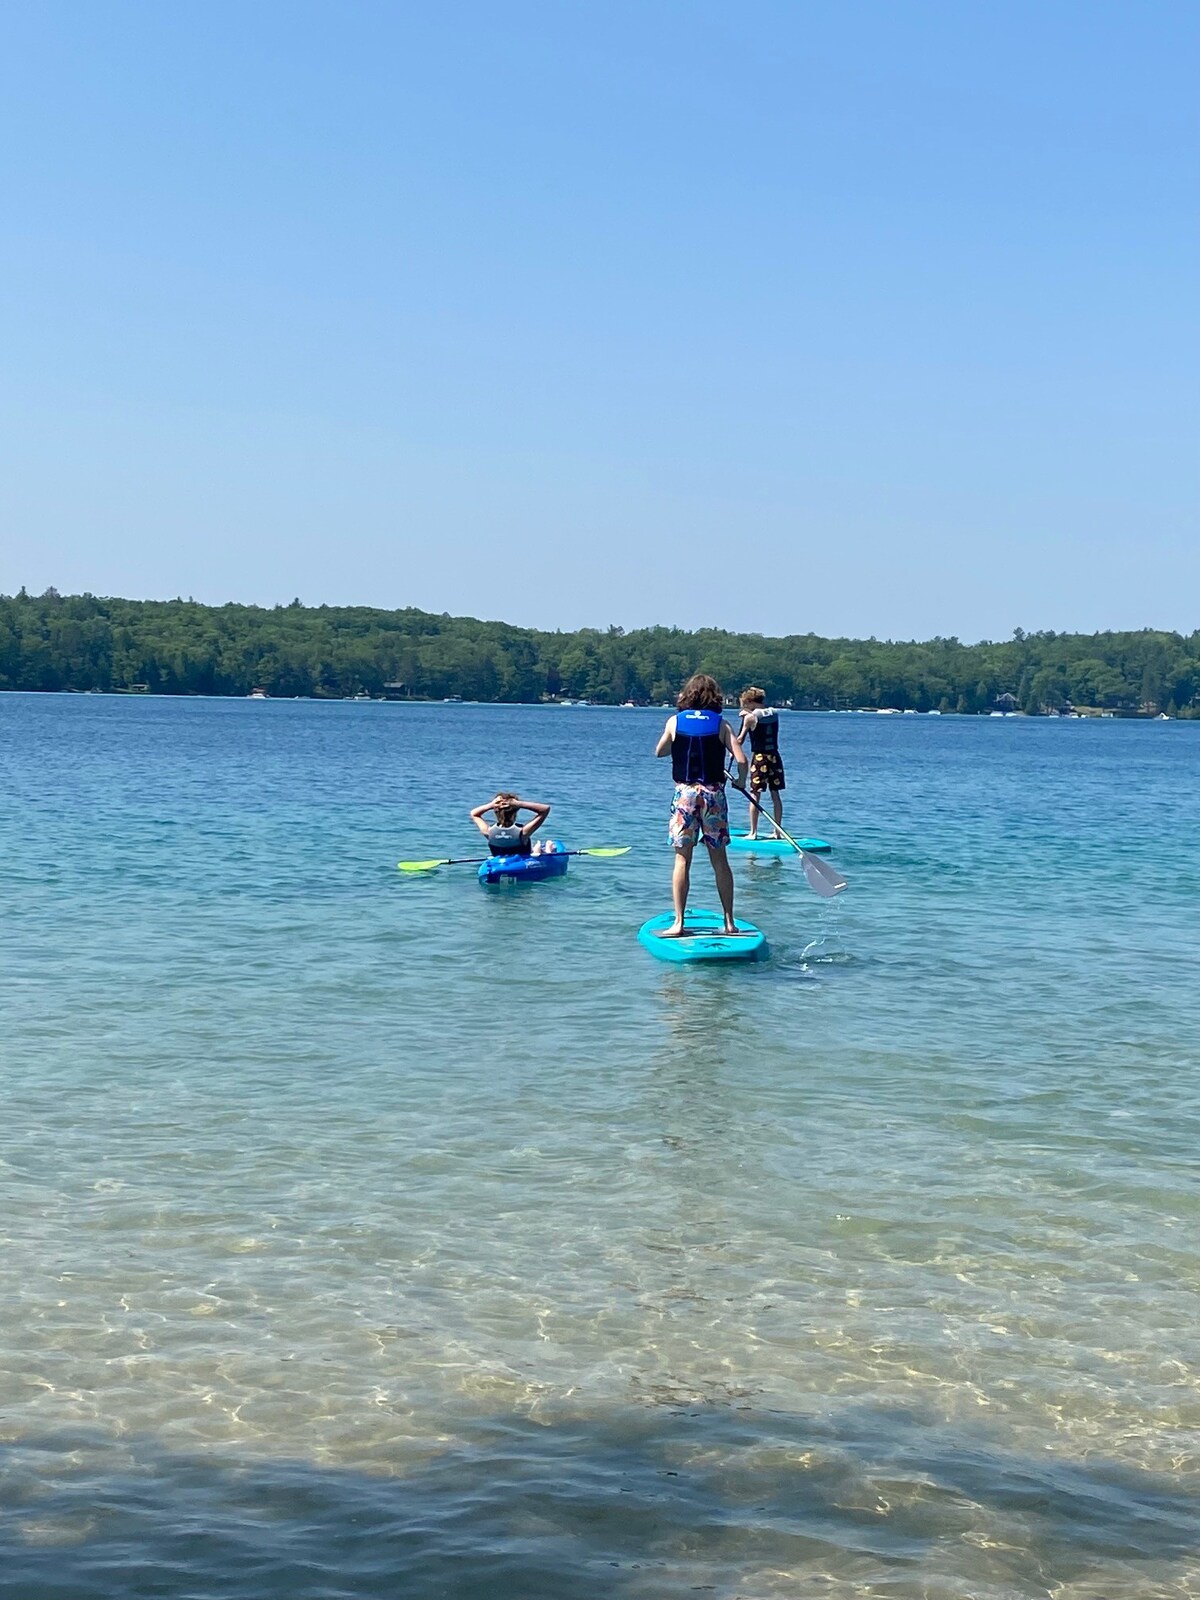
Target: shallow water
{"type": "Point", "coordinates": [373, 1235]}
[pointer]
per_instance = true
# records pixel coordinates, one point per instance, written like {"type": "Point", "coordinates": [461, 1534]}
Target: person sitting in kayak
{"type": "Point", "coordinates": [761, 723]}
{"type": "Point", "coordinates": [507, 836]}
{"type": "Point", "coordinates": [696, 738]}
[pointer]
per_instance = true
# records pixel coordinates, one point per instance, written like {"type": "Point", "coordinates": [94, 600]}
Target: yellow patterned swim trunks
{"type": "Point", "coordinates": [766, 772]}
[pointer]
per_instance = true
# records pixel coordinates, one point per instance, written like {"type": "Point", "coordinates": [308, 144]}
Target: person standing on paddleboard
{"type": "Point", "coordinates": [761, 723]}
{"type": "Point", "coordinates": [507, 836]}
{"type": "Point", "coordinates": [696, 738]}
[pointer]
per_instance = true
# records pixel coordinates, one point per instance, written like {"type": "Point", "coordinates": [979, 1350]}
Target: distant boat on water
{"type": "Point", "coordinates": [258, 694]}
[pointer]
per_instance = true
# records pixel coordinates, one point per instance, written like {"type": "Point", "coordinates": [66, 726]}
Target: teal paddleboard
{"type": "Point", "coordinates": [777, 847]}
{"type": "Point", "coordinates": [703, 939]}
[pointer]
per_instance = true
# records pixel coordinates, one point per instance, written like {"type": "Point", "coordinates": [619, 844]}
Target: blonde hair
{"type": "Point", "coordinates": [752, 697]}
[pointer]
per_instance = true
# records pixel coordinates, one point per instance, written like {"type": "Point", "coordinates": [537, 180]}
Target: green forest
{"type": "Point", "coordinates": [54, 642]}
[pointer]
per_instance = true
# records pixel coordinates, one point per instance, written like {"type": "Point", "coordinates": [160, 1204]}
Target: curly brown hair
{"type": "Point", "coordinates": [700, 693]}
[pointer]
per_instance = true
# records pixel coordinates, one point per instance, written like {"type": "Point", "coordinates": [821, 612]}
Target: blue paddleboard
{"type": "Point", "coordinates": [525, 869]}
{"type": "Point", "coordinates": [777, 847]}
{"type": "Point", "coordinates": [703, 939]}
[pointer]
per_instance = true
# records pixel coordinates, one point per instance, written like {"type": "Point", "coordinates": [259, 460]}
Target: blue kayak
{"type": "Point", "coordinates": [703, 939]}
{"type": "Point", "coordinates": [777, 847]}
{"type": "Point", "coordinates": [525, 869]}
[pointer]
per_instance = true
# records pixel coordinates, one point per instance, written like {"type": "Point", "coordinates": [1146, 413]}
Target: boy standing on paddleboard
{"type": "Point", "coordinates": [761, 723]}
{"type": "Point", "coordinates": [697, 738]}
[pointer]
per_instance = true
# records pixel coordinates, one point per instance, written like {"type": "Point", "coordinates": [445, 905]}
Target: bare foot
{"type": "Point", "coordinates": [674, 932]}
{"type": "Point", "coordinates": [730, 926]}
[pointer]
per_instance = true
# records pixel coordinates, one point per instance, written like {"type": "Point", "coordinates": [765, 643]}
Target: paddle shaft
{"type": "Point", "coordinates": [477, 861]}
{"type": "Point", "coordinates": [812, 864]}
{"type": "Point", "coordinates": [734, 784]}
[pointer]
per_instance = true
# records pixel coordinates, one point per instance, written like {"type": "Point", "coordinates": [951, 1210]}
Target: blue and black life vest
{"type": "Point", "coordinates": [510, 841]}
{"type": "Point", "coordinates": [764, 735]}
{"type": "Point", "coordinates": [697, 754]}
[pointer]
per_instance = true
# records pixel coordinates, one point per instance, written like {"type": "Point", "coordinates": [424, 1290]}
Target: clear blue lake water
{"type": "Point", "coordinates": [366, 1235]}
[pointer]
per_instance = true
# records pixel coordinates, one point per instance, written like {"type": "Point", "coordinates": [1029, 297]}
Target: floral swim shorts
{"type": "Point", "coordinates": [699, 811]}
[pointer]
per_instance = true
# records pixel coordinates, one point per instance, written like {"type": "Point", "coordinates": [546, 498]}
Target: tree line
{"type": "Point", "coordinates": [81, 642]}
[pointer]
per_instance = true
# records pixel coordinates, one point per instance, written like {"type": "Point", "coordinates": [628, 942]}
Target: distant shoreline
{"type": "Point", "coordinates": [1084, 715]}
{"type": "Point", "coordinates": [86, 643]}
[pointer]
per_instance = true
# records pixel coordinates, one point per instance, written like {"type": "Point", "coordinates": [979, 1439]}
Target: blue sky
{"type": "Point", "coordinates": [864, 317]}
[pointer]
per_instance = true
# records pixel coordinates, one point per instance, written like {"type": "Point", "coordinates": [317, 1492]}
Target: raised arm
{"type": "Point", "coordinates": [663, 747]}
{"type": "Point", "coordinates": [479, 817]}
{"type": "Point", "coordinates": [540, 813]}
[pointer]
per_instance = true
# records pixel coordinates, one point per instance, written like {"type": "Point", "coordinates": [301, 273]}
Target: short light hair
{"type": "Point", "coordinates": [752, 697]}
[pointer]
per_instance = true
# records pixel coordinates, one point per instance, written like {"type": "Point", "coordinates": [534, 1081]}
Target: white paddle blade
{"type": "Point", "coordinates": [822, 878]}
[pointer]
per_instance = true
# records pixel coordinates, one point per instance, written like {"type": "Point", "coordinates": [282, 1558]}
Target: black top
{"type": "Point", "coordinates": [764, 735]}
{"type": "Point", "coordinates": [510, 841]}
